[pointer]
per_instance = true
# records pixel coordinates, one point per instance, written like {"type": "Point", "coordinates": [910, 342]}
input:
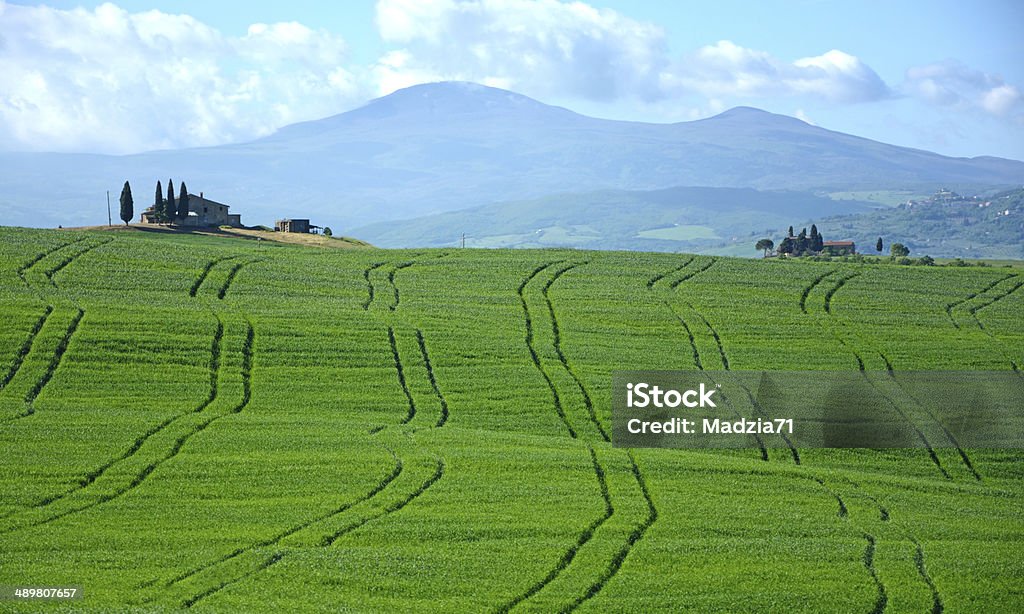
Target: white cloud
{"type": "Point", "coordinates": [546, 47]}
{"type": "Point", "coordinates": [111, 81]}
{"type": "Point", "coordinates": [951, 84]}
{"type": "Point", "coordinates": [727, 69]}
{"type": "Point", "coordinates": [543, 47]}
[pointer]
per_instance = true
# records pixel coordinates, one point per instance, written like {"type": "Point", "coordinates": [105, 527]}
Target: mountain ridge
{"type": "Point", "coordinates": [446, 146]}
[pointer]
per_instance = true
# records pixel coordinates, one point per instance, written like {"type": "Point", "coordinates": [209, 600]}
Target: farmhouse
{"type": "Point", "coordinates": [295, 225]}
{"type": "Point", "coordinates": [201, 212]}
{"type": "Point", "coordinates": [839, 248]}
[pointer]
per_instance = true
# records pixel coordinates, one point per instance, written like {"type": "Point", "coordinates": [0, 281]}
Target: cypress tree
{"type": "Point", "coordinates": [171, 209]}
{"type": "Point", "coordinates": [127, 204]}
{"type": "Point", "coordinates": [790, 231]}
{"type": "Point", "coordinates": [158, 201]}
{"type": "Point", "coordinates": [817, 241]}
{"type": "Point", "coordinates": [182, 201]}
{"type": "Point", "coordinates": [878, 245]}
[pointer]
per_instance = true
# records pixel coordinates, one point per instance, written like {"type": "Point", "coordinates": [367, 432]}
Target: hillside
{"type": "Point", "coordinates": [989, 226]}
{"type": "Point", "coordinates": [447, 146]}
{"type": "Point", "coordinates": [195, 421]}
{"type": "Point", "coordinates": [674, 219]}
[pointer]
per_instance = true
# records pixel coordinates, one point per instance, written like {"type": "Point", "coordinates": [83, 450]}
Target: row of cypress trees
{"type": "Point", "coordinates": [166, 209]}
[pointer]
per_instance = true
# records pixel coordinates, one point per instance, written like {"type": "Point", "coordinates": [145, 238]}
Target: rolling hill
{"type": "Point", "coordinates": [673, 219]}
{"type": "Point", "coordinates": [446, 146]}
{"type": "Point", "coordinates": [199, 422]}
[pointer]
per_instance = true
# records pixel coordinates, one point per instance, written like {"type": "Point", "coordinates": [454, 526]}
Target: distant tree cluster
{"type": "Point", "coordinates": [803, 244]}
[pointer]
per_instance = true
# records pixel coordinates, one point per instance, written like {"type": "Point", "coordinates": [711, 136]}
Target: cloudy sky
{"type": "Point", "coordinates": [137, 75]}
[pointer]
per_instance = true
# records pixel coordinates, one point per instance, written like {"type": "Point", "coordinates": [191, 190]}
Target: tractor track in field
{"type": "Point", "coordinates": [557, 336]}
{"type": "Point", "coordinates": [222, 292]}
{"type": "Point", "coordinates": [696, 352]}
{"type": "Point", "coordinates": [868, 558]}
{"type": "Point", "coordinates": [999, 342]}
{"type": "Point", "coordinates": [95, 474]}
{"type": "Point", "coordinates": [609, 509]}
{"type": "Point", "coordinates": [919, 562]}
{"type": "Point", "coordinates": [724, 357]}
{"type": "Point", "coordinates": [919, 555]}
{"type": "Point", "coordinates": [31, 263]}
{"type": "Point", "coordinates": [26, 347]}
{"type": "Point", "coordinates": [328, 540]}
{"type": "Point", "coordinates": [273, 541]}
{"type": "Point", "coordinates": [373, 292]}
{"type": "Point", "coordinates": [952, 306]}
{"type": "Point", "coordinates": [276, 557]}
{"type": "Point", "coordinates": [882, 598]}
{"type": "Point", "coordinates": [143, 475]}
{"type": "Point", "coordinates": [654, 280]}
{"type": "Point", "coordinates": [404, 265]}
{"type": "Point", "coordinates": [811, 286]}
{"type": "Point", "coordinates": [839, 283]}
{"type": "Point", "coordinates": [206, 271]}
{"type": "Point", "coordinates": [62, 345]}
{"type": "Point", "coordinates": [394, 507]}
{"type": "Point", "coordinates": [66, 261]}
{"type": "Point", "coordinates": [675, 284]}
{"type": "Point", "coordinates": [401, 377]}
{"type": "Point", "coordinates": [369, 283]}
{"type": "Point", "coordinates": [634, 537]}
{"type": "Point", "coordinates": [396, 296]}
{"type": "Point", "coordinates": [582, 540]}
{"type": "Point", "coordinates": [51, 369]}
{"type": "Point", "coordinates": [533, 350]}
{"type": "Point", "coordinates": [443, 418]}
{"type": "Point", "coordinates": [689, 334]}
{"type": "Point", "coordinates": [922, 570]}
{"type": "Point", "coordinates": [829, 295]}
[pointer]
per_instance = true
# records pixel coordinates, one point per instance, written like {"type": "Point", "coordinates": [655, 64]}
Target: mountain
{"type": "Point", "coordinates": [447, 146]}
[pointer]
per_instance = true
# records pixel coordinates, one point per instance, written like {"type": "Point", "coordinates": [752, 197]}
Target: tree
{"type": "Point", "coordinates": [182, 201]}
{"type": "Point", "coordinates": [158, 201]}
{"type": "Point", "coordinates": [127, 204]}
{"type": "Point", "coordinates": [328, 232]}
{"type": "Point", "coordinates": [899, 250]}
{"type": "Point", "coordinates": [800, 245]}
{"type": "Point", "coordinates": [791, 231]}
{"type": "Point", "coordinates": [878, 245]}
{"type": "Point", "coordinates": [764, 245]}
{"type": "Point", "coordinates": [170, 209]}
{"type": "Point", "coordinates": [817, 241]}
{"type": "Point", "coordinates": [786, 247]}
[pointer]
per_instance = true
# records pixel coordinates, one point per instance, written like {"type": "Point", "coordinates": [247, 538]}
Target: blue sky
{"type": "Point", "coordinates": [88, 76]}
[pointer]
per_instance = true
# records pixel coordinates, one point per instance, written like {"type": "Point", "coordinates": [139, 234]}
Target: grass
{"type": "Point", "coordinates": [234, 427]}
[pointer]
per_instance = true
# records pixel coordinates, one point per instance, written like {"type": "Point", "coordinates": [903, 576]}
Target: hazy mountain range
{"type": "Point", "coordinates": [443, 147]}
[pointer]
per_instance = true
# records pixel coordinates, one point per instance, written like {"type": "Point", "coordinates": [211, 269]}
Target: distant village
{"type": "Point", "coordinates": [189, 210]}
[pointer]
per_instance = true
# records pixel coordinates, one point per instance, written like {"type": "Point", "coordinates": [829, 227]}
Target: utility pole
{"type": "Point", "coordinates": [463, 239]}
{"type": "Point", "coordinates": [109, 223]}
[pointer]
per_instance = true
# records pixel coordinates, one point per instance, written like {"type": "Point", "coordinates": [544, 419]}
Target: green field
{"type": "Point", "coordinates": [197, 422]}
